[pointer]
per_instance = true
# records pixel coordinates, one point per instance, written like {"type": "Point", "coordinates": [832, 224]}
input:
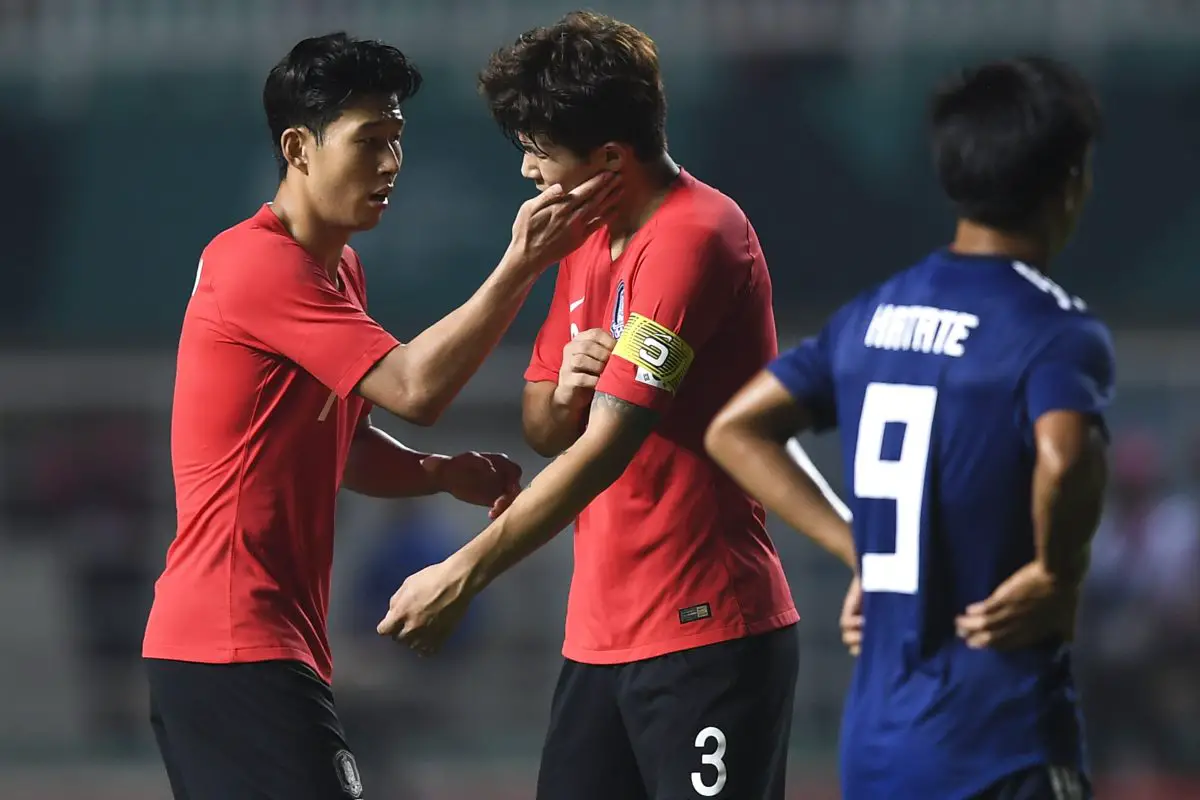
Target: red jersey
{"type": "Point", "coordinates": [673, 555]}
{"type": "Point", "coordinates": [261, 426]}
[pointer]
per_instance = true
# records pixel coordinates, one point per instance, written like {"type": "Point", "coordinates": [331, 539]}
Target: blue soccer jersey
{"type": "Point", "coordinates": [934, 380]}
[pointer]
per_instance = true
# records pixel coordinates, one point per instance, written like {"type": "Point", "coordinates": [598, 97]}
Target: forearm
{"type": "Point", "coordinates": [765, 470]}
{"type": "Point", "coordinates": [380, 466]}
{"type": "Point", "coordinates": [550, 426]}
{"type": "Point", "coordinates": [551, 502]}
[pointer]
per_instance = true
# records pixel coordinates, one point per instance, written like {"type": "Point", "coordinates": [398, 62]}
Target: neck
{"type": "Point", "coordinates": [323, 243]}
{"type": "Point", "coordinates": [973, 239]}
{"type": "Point", "coordinates": [645, 189]}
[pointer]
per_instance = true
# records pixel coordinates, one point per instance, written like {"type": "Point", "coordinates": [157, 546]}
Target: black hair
{"type": "Point", "coordinates": [323, 75]}
{"type": "Point", "coordinates": [586, 80]}
{"type": "Point", "coordinates": [1008, 135]}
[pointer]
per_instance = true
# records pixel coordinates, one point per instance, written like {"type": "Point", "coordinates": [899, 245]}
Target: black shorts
{"type": "Point", "coordinates": [1040, 783]}
{"type": "Point", "coordinates": [708, 722]}
{"type": "Point", "coordinates": [259, 731]}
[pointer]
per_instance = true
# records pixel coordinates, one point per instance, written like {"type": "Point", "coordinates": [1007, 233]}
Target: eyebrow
{"type": "Point", "coordinates": [530, 146]}
{"type": "Point", "coordinates": [381, 123]}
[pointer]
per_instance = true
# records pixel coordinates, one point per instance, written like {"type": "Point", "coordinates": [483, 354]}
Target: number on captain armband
{"type": "Point", "coordinates": [715, 759]}
{"type": "Point", "coordinates": [902, 480]}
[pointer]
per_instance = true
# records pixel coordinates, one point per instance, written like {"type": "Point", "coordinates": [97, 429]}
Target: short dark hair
{"type": "Point", "coordinates": [1008, 135]}
{"type": "Point", "coordinates": [586, 80]}
{"type": "Point", "coordinates": [323, 75]}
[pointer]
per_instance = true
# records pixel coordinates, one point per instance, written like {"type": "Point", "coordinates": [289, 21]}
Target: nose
{"type": "Point", "coordinates": [529, 167]}
{"type": "Point", "coordinates": [393, 160]}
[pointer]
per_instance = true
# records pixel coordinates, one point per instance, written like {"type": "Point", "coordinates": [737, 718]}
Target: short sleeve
{"type": "Point", "coordinates": [555, 333]}
{"type": "Point", "coordinates": [679, 291]}
{"type": "Point", "coordinates": [282, 301]}
{"type": "Point", "coordinates": [1075, 372]}
{"type": "Point", "coordinates": [806, 371]}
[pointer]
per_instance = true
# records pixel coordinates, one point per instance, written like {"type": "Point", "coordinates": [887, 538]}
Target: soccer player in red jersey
{"type": "Point", "coordinates": [278, 367]}
{"type": "Point", "coordinates": [681, 650]}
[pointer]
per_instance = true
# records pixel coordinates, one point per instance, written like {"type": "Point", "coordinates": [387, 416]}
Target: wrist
{"type": "Point", "coordinates": [470, 567]}
{"type": "Point", "coordinates": [516, 271]}
{"type": "Point", "coordinates": [851, 561]}
{"type": "Point", "coordinates": [1067, 575]}
{"type": "Point", "coordinates": [568, 400]}
{"type": "Point", "coordinates": [434, 466]}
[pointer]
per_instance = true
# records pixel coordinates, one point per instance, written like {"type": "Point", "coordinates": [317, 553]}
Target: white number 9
{"type": "Point", "coordinates": [713, 759]}
{"type": "Point", "coordinates": [902, 480]}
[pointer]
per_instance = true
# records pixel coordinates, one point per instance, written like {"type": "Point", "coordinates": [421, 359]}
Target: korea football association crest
{"type": "Point", "coordinates": [347, 772]}
{"type": "Point", "coordinates": [618, 317]}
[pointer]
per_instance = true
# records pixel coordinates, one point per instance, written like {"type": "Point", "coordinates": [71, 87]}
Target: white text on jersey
{"type": "Point", "coordinates": [921, 329]}
{"type": "Point", "coordinates": [1065, 301]}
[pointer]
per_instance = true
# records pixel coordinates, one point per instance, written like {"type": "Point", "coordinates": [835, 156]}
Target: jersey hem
{"type": "Point", "coordinates": [987, 778]}
{"type": "Point", "coordinates": [237, 655]}
{"type": "Point", "coordinates": [716, 636]}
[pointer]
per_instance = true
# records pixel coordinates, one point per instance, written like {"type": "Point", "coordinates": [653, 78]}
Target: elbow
{"type": "Point", "coordinates": [539, 434]}
{"type": "Point", "coordinates": [541, 443]}
{"type": "Point", "coordinates": [424, 414]}
{"type": "Point", "coordinates": [543, 449]}
{"type": "Point", "coordinates": [716, 440]}
{"type": "Point", "coordinates": [422, 419]}
{"type": "Point", "coordinates": [400, 388]}
{"type": "Point", "coordinates": [418, 408]}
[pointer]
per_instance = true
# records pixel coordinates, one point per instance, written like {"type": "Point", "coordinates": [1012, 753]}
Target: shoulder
{"type": "Point", "coordinates": [1082, 339]}
{"type": "Point", "coordinates": [1071, 341]}
{"type": "Point", "coordinates": [1042, 293]}
{"type": "Point", "coordinates": [254, 256]}
{"type": "Point", "coordinates": [699, 231]}
{"type": "Point", "coordinates": [1054, 312]}
{"type": "Point", "coordinates": [698, 214]}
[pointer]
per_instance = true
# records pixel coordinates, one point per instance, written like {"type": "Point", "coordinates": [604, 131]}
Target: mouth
{"type": "Point", "coordinates": [380, 198]}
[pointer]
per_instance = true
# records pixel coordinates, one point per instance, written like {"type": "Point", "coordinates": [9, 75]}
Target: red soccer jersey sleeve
{"type": "Point", "coordinates": [678, 290]}
{"type": "Point", "coordinates": [554, 334]}
{"type": "Point", "coordinates": [283, 300]}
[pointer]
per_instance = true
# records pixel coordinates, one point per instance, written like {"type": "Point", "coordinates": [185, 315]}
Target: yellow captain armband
{"type": "Point", "coordinates": [662, 358]}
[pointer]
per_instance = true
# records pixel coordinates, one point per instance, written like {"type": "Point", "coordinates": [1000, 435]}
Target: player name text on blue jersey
{"type": "Point", "coordinates": [920, 329]}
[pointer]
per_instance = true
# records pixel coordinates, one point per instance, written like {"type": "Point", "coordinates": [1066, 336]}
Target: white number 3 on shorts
{"type": "Point", "coordinates": [713, 759]}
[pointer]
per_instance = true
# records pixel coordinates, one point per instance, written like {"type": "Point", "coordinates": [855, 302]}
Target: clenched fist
{"type": "Point", "coordinates": [482, 479]}
{"type": "Point", "coordinates": [584, 358]}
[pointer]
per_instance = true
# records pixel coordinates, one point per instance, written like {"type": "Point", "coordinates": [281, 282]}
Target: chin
{"type": "Point", "coordinates": [367, 220]}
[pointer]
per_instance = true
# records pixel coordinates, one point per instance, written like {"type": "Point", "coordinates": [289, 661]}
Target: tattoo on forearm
{"type": "Point", "coordinates": [639, 416]}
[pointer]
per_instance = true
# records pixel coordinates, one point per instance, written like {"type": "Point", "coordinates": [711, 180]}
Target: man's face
{"type": "Point", "coordinates": [352, 170]}
{"type": "Point", "coordinates": [546, 164]}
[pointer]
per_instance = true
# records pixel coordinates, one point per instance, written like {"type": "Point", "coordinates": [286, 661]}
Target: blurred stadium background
{"type": "Point", "coordinates": [131, 132]}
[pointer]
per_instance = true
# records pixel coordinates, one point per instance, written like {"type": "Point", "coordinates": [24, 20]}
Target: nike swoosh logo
{"type": "Point", "coordinates": [577, 304]}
